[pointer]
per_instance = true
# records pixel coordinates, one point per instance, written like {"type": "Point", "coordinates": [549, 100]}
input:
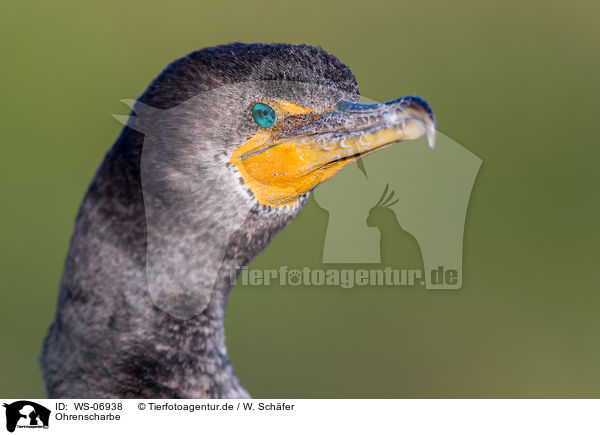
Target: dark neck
{"type": "Point", "coordinates": [108, 338]}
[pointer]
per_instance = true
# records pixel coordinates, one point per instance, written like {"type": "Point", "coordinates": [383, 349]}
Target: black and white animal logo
{"type": "Point", "coordinates": [26, 414]}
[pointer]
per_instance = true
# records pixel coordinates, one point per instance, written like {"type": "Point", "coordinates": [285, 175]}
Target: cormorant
{"type": "Point", "coordinates": [250, 130]}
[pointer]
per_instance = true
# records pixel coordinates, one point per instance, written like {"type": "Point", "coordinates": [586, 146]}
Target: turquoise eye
{"type": "Point", "coordinates": [264, 115]}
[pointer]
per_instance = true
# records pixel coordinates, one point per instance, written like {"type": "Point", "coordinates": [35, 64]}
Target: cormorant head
{"type": "Point", "coordinates": [279, 119]}
{"type": "Point", "coordinates": [235, 137]}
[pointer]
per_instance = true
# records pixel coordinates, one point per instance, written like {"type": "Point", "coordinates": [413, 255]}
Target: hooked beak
{"type": "Point", "coordinates": [308, 146]}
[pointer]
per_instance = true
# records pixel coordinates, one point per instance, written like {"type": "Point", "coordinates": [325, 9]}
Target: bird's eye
{"type": "Point", "coordinates": [264, 115]}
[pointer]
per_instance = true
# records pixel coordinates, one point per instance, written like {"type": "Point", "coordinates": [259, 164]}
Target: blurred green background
{"type": "Point", "coordinates": [515, 82]}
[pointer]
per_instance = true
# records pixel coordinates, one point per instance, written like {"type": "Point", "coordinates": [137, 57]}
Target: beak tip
{"type": "Point", "coordinates": [431, 134]}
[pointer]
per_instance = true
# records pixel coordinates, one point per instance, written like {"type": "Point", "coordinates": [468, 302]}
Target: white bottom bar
{"type": "Point", "coordinates": [291, 416]}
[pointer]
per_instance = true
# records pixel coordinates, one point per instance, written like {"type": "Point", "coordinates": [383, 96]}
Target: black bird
{"type": "Point", "coordinates": [234, 133]}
